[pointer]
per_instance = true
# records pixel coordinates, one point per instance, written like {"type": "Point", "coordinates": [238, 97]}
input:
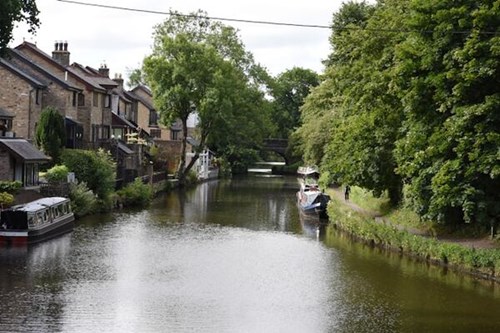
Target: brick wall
{"type": "Point", "coordinates": [19, 99]}
{"type": "Point", "coordinates": [6, 167]}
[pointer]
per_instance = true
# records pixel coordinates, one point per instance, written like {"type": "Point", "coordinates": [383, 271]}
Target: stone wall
{"type": "Point", "coordinates": [6, 167]}
{"type": "Point", "coordinates": [19, 98]}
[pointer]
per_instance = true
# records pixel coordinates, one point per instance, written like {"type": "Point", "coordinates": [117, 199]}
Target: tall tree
{"type": "Point", "coordinates": [12, 11]}
{"type": "Point", "coordinates": [449, 72]}
{"type": "Point", "coordinates": [50, 133]}
{"type": "Point", "coordinates": [289, 91]}
{"type": "Point", "coordinates": [362, 111]}
{"type": "Point", "coordinates": [194, 64]}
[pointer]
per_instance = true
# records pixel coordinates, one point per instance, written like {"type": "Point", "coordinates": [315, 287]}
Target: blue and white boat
{"type": "Point", "coordinates": [310, 199]}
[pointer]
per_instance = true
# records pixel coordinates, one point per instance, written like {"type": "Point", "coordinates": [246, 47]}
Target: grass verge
{"type": "Point", "coordinates": [480, 262]}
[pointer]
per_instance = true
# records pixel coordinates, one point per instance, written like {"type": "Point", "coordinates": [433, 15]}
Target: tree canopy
{"type": "Point", "coordinates": [12, 11]}
{"type": "Point", "coordinates": [409, 105]}
{"type": "Point", "coordinates": [289, 90]}
{"type": "Point", "coordinates": [200, 67]}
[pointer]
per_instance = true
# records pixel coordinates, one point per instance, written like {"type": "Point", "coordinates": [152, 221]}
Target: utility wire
{"type": "Point", "coordinates": [317, 26]}
{"type": "Point", "coordinates": [194, 15]}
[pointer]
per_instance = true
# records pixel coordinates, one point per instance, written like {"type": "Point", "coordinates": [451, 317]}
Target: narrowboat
{"type": "Point", "coordinates": [36, 221]}
{"type": "Point", "coordinates": [310, 199]}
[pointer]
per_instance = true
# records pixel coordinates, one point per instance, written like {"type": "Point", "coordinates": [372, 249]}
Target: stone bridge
{"type": "Point", "coordinates": [278, 146]}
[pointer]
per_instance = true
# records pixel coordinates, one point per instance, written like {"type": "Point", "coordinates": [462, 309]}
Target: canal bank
{"type": "Point", "coordinates": [473, 257]}
{"type": "Point", "coordinates": [231, 255]}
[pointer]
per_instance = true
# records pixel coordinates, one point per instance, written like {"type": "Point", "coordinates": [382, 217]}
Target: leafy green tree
{"type": "Point", "coordinates": [12, 11]}
{"type": "Point", "coordinates": [289, 91]}
{"type": "Point", "coordinates": [193, 70]}
{"type": "Point", "coordinates": [355, 104]}
{"type": "Point", "coordinates": [94, 168]}
{"type": "Point", "coordinates": [50, 133]}
{"type": "Point", "coordinates": [449, 79]}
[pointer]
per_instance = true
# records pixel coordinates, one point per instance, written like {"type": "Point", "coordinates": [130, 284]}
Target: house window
{"type": "Point", "coordinates": [96, 99]}
{"type": "Point", "coordinates": [155, 133]}
{"type": "Point", "coordinates": [105, 132]}
{"type": "Point", "coordinates": [81, 99]}
{"type": "Point", "coordinates": [37, 97]}
{"type": "Point", "coordinates": [153, 118]}
{"type": "Point", "coordinates": [174, 135]}
{"type": "Point", "coordinates": [74, 98]}
{"type": "Point", "coordinates": [30, 174]}
{"type": "Point", "coordinates": [5, 126]}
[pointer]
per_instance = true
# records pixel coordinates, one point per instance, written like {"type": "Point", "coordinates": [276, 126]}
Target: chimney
{"type": "Point", "coordinates": [61, 53]}
{"type": "Point", "coordinates": [104, 70]}
{"type": "Point", "coordinates": [118, 79]}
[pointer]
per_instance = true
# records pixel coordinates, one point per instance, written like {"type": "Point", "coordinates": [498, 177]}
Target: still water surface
{"type": "Point", "coordinates": [229, 256]}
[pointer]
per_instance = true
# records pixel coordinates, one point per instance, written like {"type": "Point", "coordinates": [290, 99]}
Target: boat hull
{"type": "Point", "coordinates": [20, 237]}
{"type": "Point", "coordinates": [315, 209]}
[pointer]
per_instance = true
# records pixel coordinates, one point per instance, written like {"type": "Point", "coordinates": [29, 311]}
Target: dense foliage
{"type": "Point", "coordinates": [484, 262]}
{"type": "Point", "coordinates": [13, 11]}
{"type": "Point", "coordinates": [83, 200]}
{"type": "Point", "coordinates": [6, 199]}
{"type": "Point", "coordinates": [58, 173]}
{"type": "Point", "coordinates": [289, 90]}
{"type": "Point", "coordinates": [94, 168]}
{"type": "Point", "coordinates": [409, 106]}
{"type": "Point", "coordinates": [200, 68]}
{"type": "Point", "coordinates": [135, 194]}
{"type": "Point", "coordinates": [50, 133]}
{"type": "Point", "coordinates": [10, 186]}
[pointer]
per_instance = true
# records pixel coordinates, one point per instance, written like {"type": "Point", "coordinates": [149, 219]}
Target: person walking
{"type": "Point", "coordinates": [347, 190]}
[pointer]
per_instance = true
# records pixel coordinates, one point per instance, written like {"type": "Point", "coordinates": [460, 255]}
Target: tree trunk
{"type": "Point", "coordinates": [181, 172]}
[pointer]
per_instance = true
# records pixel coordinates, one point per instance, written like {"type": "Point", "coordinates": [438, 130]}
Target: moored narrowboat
{"type": "Point", "coordinates": [36, 221]}
{"type": "Point", "coordinates": [310, 199]}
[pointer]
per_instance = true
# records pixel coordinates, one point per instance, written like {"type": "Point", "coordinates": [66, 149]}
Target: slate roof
{"type": "Point", "coordinates": [122, 121]}
{"type": "Point", "coordinates": [92, 74]}
{"type": "Point", "coordinates": [24, 150]}
{"type": "Point", "coordinates": [123, 147]}
{"type": "Point", "coordinates": [33, 81]}
{"type": "Point", "coordinates": [133, 95]}
{"type": "Point", "coordinates": [41, 73]}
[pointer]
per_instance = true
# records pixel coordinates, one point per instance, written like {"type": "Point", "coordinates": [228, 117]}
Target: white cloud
{"type": "Point", "coordinates": [123, 38]}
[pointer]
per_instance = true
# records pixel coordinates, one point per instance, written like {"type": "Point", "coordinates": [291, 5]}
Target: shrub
{"type": "Point", "coordinates": [58, 173]}
{"type": "Point", "coordinates": [10, 187]}
{"type": "Point", "coordinates": [136, 194]}
{"type": "Point", "coordinates": [96, 169]}
{"type": "Point", "coordinates": [83, 200]}
{"type": "Point", "coordinates": [6, 199]}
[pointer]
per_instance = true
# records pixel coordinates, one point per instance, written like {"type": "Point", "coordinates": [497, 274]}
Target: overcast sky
{"type": "Point", "coordinates": [121, 39]}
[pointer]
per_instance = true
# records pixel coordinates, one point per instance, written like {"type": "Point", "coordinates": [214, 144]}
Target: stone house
{"type": "Point", "coordinates": [93, 100]}
{"type": "Point", "coordinates": [20, 101]}
{"type": "Point", "coordinates": [58, 93]}
{"type": "Point", "coordinates": [19, 160]}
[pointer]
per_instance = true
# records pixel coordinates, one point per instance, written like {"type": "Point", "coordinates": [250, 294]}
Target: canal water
{"type": "Point", "coordinates": [229, 256]}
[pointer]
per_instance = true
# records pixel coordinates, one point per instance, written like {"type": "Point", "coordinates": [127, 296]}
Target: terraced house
{"type": "Point", "coordinates": [34, 80]}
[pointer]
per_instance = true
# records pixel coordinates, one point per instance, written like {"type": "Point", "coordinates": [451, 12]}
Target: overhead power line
{"type": "Point", "coordinates": [194, 15]}
{"type": "Point", "coordinates": [299, 25]}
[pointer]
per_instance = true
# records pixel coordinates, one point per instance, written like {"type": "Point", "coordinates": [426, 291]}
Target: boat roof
{"type": "Point", "coordinates": [308, 170]}
{"type": "Point", "coordinates": [39, 204]}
